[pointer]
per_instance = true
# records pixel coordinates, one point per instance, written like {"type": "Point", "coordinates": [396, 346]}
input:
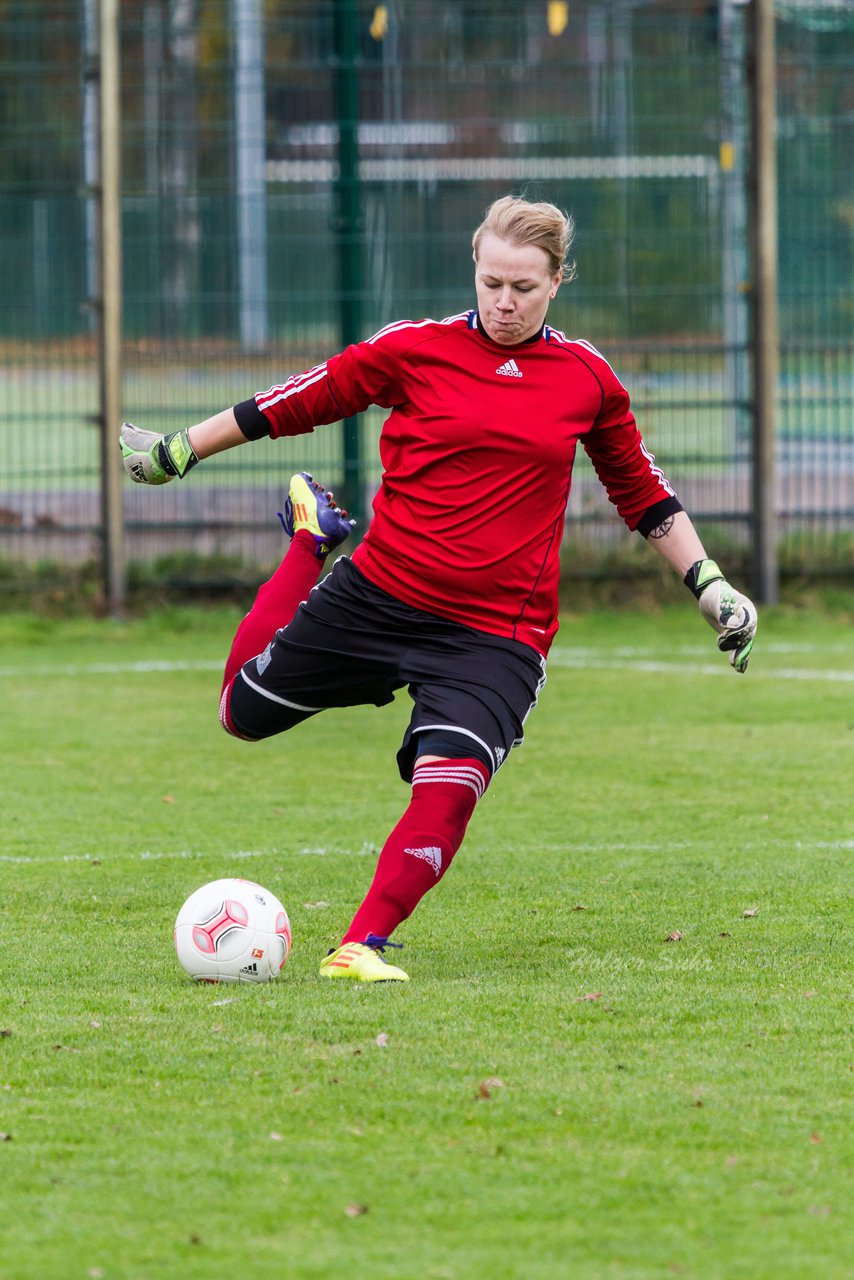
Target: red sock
{"type": "Point", "coordinates": [419, 850]}
{"type": "Point", "coordinates": [275, 604]}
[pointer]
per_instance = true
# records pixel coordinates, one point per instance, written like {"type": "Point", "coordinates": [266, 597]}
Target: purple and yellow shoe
{"type": "Point", "coordinates": [363, 961]}
{"type": "Point", "coordinates": [311, 507]}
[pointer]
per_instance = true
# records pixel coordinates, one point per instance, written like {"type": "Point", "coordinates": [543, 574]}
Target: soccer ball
{"type": "Point", "coordinates": [232, 931]}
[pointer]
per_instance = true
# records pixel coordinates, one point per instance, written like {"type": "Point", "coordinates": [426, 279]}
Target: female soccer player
{"type": "Point", "coordinates": [454, 590]}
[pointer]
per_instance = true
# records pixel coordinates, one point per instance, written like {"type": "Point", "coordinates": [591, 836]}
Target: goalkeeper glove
{"type": "Point", "coordinates": [731, 614]}
{"type": "Point", "coordinates": [150, 458]}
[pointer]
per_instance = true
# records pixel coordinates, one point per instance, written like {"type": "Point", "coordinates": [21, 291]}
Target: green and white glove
{"type": "Point", "coordinates": [731, 614]}
{"type": "Point", "coordinates": [150, 458]}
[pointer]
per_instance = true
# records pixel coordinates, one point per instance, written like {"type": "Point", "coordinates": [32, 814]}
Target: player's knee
{"type": "Point", "coordinates": [450, 789]}
{"type": "Point", "coordinates": [225, 718]}
{"type": "Point", "coordinates": [246, 713]}
{"type": "Point", "coordinates": [239, 726]}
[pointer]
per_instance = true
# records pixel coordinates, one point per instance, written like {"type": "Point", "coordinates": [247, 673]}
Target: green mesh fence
{"type": "Point", "coordinates": [248, 253]}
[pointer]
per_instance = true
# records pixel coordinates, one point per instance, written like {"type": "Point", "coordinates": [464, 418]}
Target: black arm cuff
{"type": "Point", "coordinates": [657, 513]}
{"type": "Point", "coordinates": [251, 420]}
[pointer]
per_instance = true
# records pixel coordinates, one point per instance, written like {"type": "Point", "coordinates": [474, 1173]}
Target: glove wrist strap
{"type": "Point", "coordinates": [701, 575]}
{"type": "Point", "coordinates": [176, 455]}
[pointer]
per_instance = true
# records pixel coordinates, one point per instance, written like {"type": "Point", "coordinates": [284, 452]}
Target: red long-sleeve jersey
{"type": "Point", "coordinates": [477, 455]}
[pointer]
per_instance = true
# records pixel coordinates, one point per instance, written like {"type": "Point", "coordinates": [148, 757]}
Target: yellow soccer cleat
{"type": "Point", "coordinates": [311, 507]}
{"type": "Point", "coordinates": [363, 962]}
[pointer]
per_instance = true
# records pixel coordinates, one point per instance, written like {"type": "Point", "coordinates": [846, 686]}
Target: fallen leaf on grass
{"type": "Point", "coordinates": [750, 913]}
{"type": "Point", "coordinates": [382, 1040]}
{"type": "Point", "coordinates": [591, 995]}
{"type": "Point", "coordinates": [5, 1137]}
{"type": "Point", "coordinates": [675, 936]}
{"type": "Point", "coordinates": [579, 906]}
{"type": "Point", "coordinates": [168, 799]}
{"type": "Point", "coordinates": [275, 1137]}
{"type": "Point", "coordinates": [815, 1139]}
{"type": "Point", "coordinates": [218, 1004]}
{"type": "Point", "coordinates": [5, 1032]}
{"type": "Point", "coordinates": [820, 1210]}
{"type": "Point", "coordinates": [485, 1088]}
{"type": "Point", "coordinates": [315, 906]}
{"type": "Point", "coordinates": [356, 1210]}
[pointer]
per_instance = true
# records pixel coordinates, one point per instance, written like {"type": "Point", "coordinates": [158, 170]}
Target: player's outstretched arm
{"type": "Point", "coordinates": [732, 615]}
{"type": "Point", "coordinates": [152, 458]}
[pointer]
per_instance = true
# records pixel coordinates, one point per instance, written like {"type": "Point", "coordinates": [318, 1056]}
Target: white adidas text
{"type": "Point", "coordinates": [431, 855]}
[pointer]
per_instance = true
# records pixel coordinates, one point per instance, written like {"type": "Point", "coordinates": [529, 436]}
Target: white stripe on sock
{"type": "Point", "coordinates": [463, 775]}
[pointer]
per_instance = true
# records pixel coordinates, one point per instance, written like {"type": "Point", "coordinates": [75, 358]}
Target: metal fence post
{"type": "Point", "coordinates": [348, 225]}
{"type": "Point", "coordinates": [109, 308]}
{"type": "Point", "coordinates": [250, 147]}
{"type": "Point", "coordinates": [765, 337]}
{"type": "Point", "coordinates": [735, 221]}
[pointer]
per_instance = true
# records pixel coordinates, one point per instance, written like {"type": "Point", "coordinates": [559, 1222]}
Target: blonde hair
{"type": "Point", "coordinates": [521, 221]}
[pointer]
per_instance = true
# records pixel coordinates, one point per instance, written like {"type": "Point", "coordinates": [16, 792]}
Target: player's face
{"type": "Point", "coordinates": [514, 286]}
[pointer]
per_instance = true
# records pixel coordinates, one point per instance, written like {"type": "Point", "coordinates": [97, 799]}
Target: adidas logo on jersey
{"type": "Point", "coordinates": [510, 369]}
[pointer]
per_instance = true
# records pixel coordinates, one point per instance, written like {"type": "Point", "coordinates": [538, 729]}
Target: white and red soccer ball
{"type": "Point", "coordinates": [232, 931]}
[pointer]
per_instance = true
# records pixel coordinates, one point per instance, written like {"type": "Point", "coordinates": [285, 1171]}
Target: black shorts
{"type": "Point", "coordinates": [351, 643]}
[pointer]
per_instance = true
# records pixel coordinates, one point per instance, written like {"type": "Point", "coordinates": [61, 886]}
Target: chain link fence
{"type": "Point", "coordinates": [285, 191]}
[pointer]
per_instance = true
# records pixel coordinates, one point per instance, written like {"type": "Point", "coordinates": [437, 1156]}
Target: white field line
{"type": "Point", "coordinates": [687, 845]}
{"type": "Point", "coordinates": [582, 659]}
{"type": "Point", "coordinates": [768, 646]}
{"type": "Point", "coordinates": [369, 850]}
{"type": "Point", "coordinates": [148, 855]}
{"type": "Point", "coordinates": [589, 661]}
{"type": "Point", "coordinates": [109, 668]}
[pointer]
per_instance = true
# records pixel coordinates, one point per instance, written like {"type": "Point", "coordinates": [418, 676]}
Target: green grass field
{"type": "Point", "coordinates": [560, 1091]}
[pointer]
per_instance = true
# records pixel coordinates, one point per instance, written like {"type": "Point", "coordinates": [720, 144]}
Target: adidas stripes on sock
{"type": "Point", "coordinates": [420, 848]}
